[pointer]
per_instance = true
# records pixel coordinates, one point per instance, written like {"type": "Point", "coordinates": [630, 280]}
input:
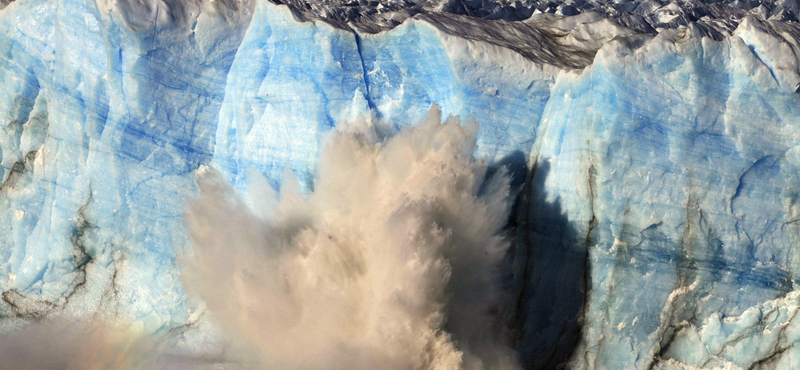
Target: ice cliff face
{"type": "Point", "coordinates": [657, 222]}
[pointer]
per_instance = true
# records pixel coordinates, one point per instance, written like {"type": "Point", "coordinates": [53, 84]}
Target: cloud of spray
{"type": "Point", "coordinates": [391, 261]}
{"type": "Point", "coordinates": [62, 343]}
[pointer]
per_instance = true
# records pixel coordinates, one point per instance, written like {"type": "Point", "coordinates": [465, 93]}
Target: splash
{"type": "Point", "coordinates": [390, 262]}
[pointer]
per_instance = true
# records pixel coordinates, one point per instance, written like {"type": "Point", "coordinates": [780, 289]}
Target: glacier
{"type": "Point", "coordinates": [653, 145]}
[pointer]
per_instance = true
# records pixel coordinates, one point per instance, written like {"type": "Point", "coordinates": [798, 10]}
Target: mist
{"type": "Point", "coordinates": [391, 261]}
{"type": "Point", "coordinates": [68, 343]}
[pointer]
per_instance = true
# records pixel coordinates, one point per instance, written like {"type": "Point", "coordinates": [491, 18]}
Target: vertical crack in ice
{"type": "Point", "coordinates": [82, 256]}
{"type": "Point", "coordinates": [671, 322]}
{"type": "Point", "coordinates": [111, 294]}
{"type": "Point", "coordinates": [587, 273]}
{"type": "Point", "coordinates": [365, 76]}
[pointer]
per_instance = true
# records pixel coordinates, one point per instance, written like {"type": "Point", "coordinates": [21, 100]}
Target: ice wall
{"type": "Point", "coordinates": [657, 222]}
{"type": "Point", "coordinates": [107, 110]}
